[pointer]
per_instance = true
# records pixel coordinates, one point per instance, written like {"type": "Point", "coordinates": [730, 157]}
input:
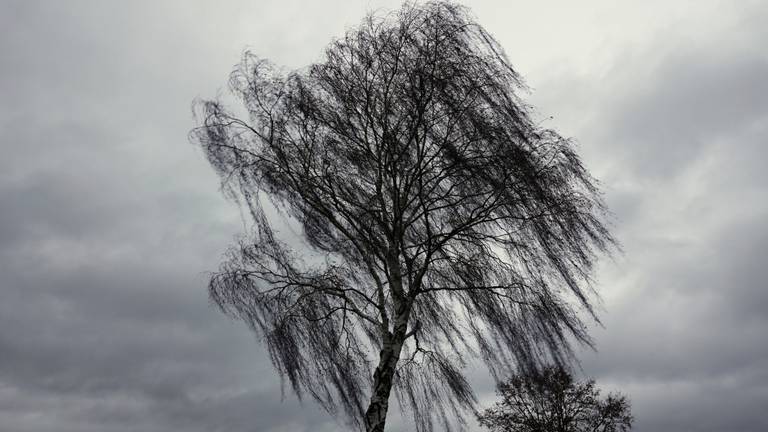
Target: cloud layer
{"type": "Point", "coordinates": [110, 219]}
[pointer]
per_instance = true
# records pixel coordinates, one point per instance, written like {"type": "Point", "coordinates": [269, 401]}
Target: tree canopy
{"type": "Point", "coordinates": [551, 401]}
{"type": "Point", "coordinates": [439, 222]}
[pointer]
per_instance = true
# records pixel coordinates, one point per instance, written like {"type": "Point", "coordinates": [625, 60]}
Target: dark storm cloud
{"type": "Point", "coordinates": [678, 131]}
{"type": "Point", "coordinates": [685, 104]}
{"type": "Point", "coordinates": [109, 219]}
{"type": "Point", "coordinates": [104, 324]}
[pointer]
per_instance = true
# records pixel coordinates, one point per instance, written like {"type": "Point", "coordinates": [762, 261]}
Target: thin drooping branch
{"type": "Point", "coordinates": [438, 222]}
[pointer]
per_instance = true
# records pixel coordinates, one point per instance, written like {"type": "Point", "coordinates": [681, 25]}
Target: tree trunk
{"type": "Point", "coordinates": [376, 414]}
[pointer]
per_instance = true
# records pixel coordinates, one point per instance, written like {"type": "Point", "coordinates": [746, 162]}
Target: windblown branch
{"type": "Point", "coordinates": [425, 194]}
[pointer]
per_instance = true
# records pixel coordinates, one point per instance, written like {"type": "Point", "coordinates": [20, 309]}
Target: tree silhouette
{"type": "Point", "coordinates": [550, 401]}
{"type": "Point", "coordinates": [437, 222]}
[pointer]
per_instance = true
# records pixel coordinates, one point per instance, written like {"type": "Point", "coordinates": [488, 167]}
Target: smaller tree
{"type": "Point", "coordinates": [550, 401]}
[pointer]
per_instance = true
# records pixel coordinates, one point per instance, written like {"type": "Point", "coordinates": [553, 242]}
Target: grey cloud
{"type": "Point", "coordinates": [679, 134]}
{"type": "Point", "coordinates": [110, 219]}
{"type": "Point", "coordinates": [687, 103]}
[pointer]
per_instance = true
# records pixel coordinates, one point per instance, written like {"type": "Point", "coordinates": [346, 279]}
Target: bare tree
{"type": "Point", "coordinates": [439, 222]}
{"type": "Point", "coordinates": [550, 401]}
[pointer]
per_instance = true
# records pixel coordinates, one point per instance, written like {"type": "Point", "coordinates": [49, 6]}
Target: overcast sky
{"type": "Point", "coordinates": [110, 219]}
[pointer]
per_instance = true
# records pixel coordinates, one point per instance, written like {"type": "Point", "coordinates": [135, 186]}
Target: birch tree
{"type": "Point", "coordinates": [439, 223]}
